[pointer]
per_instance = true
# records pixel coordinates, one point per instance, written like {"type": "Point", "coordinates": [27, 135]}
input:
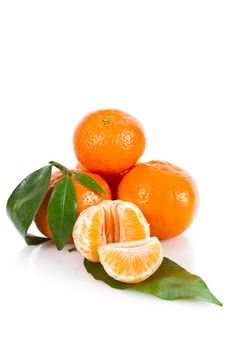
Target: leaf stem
{"type": "Point", "coordinates": [61, 167]}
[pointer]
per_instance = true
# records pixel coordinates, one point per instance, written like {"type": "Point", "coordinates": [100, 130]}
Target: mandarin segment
{"type": "Point", "coordinates": [131, 262]}
{"type": "Point", "coordinates": [133, 223]}
{"type": "Point", "coordinates": [117, 222]}
{"type": "Point", "coordinates": [89, 233]}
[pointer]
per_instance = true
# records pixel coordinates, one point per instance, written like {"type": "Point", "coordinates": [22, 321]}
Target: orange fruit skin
{"type": "Point", "coordinates": [166, 194]}
{"type": "Point", "coordinates": [85, 197]}
{"type": "Point", "coordinates": [108, 141]}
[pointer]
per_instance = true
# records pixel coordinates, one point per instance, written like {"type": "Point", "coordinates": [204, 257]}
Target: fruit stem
{"type": "Point", "coordinates": [61, 167]}
{"type": "Point", "coordinates": [105, 121]}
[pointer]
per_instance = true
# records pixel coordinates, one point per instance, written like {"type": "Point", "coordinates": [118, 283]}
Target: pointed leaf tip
{"type": "Point", "coordinates": [88, 182]}
{"type": "Point", "coordinates": [169, 282]}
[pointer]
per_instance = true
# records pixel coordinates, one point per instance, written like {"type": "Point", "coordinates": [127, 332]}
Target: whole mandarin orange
{"type": "Point", "coordinates": [108, 141]}
{"type": "Point", "coordinates": [166, 194]}
{"type": "Point", "coordinates": [85, 199]}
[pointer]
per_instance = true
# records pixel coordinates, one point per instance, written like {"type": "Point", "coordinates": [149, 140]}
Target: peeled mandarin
{"type": "Point", "coordinates": [108, 222]}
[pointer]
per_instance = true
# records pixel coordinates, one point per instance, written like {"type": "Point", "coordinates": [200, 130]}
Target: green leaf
{"type": "Point", "coordinates": [62, 211]}
{"type": "Point", "coordinates": [88, 182]}
{"type": "Point", "coordinates": [170, 282]}
{"type": "Point", "coordinates": [35, 240]}
{"type": "Point", "coordinates": [25, 201]}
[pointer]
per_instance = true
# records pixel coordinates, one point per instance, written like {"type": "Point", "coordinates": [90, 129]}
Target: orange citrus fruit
{"type": "Point", "coordinates": [166, 194]}
{"type": "Point", "coordinates": [108, 141]}
{"type": "Point", "coordinates": [131, 262]}
{"type": "Point", "coordinates": [85, 198]}
{"type": "Point", "coordinates": [108, 222]}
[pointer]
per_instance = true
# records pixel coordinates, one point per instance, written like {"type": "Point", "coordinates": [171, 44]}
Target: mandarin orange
{"type": "Point", "coordinates": [108, 141]}
{"type": "Point", "coordinates": [166, 194]}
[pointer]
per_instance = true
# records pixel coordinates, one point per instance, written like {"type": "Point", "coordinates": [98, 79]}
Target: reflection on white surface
{"type": "Point", "coordinates": [180, 249]}
{"type": "Point", "coordinates": [47, 262]}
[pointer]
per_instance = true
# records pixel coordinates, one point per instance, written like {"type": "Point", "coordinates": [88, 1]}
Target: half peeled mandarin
{"type": "Point", "coordinates": [108, 222]}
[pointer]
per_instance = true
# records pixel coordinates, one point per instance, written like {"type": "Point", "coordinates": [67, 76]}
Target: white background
{"type": "Point", "coordinates": [168, 63]}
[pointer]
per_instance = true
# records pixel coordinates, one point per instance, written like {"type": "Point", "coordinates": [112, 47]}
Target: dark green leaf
{"type": "Point", "coordinates": [88, 182]}
{"type": "Point", "coordinates": [62, 211]}
{"type": "Point", "coordinates": [34, 240]}
{"type": "Point", "coordinates": [25, 201]}
{"type": "Point", "coordinates": [170, 282]}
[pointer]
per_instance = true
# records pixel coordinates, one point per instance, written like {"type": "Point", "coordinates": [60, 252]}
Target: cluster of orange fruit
{"type": "Point", "coordinates": [143, 202]}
